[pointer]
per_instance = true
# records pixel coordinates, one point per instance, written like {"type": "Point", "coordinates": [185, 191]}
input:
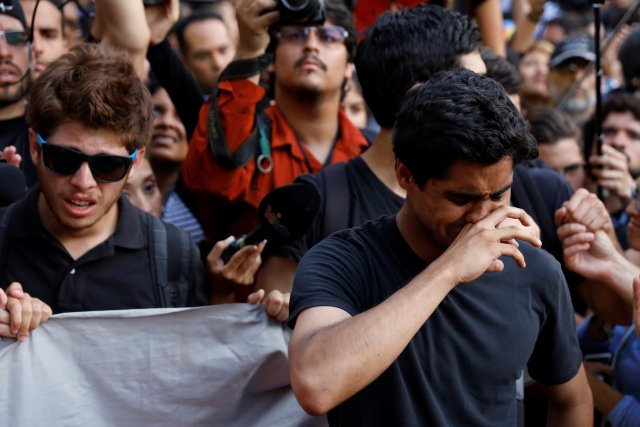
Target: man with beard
{"type": "Point", "coordinates": [301, 132]}
{"type": "Point", "coordinates": [15, 79]}
{"type": "Point", "coordinates": [567, 66]}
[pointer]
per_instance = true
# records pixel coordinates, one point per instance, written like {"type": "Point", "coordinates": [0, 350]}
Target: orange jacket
{"type": "Point", "coordinates": [229, 197]}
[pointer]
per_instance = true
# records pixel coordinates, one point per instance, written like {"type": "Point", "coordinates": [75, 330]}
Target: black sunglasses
{"type": "Point", "coordinates": [66, 161]}
{"type": "Point", "coordinates": [15, 37]}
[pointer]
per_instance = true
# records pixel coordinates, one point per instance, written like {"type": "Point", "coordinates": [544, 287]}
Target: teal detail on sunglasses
{"type": "Point", "coordinates": [65, 161]}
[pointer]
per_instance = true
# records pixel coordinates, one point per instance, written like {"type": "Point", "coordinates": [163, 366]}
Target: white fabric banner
{"type": "Point", "coordinates": [210, 366]}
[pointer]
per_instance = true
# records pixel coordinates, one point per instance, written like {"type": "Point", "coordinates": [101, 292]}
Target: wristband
{"type": "Point", "coordinates": [243, 68]}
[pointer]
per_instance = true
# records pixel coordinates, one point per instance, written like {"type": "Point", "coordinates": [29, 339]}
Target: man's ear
{"type": "Point", "coordinates": [404, 175]}
{"type": "Point", "coordinates": [34, 148]}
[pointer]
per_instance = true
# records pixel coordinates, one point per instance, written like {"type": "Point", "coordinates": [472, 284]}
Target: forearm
{"type": "Point", "coordinates": [179, 83]}
{"type": "Point", "coordinates": [605, 397]}
{"type": "Point", "coordinates": [489, 18]}
{"type": "Point", "coordinates": [331, 364]}
{"type": "Point", "coordinates": [620, 278]}
{"type": "Point", "coordinates": [276, 273]}
{"type": "Point", "coordinates": [121, 24]}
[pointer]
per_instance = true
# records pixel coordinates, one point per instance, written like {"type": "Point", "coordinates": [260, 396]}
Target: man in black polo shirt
{"type": "Point", "coordinates": [73, 241]}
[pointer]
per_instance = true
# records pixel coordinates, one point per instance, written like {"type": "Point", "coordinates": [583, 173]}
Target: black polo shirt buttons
{"type": "Point", "coordinates": [72, 271]}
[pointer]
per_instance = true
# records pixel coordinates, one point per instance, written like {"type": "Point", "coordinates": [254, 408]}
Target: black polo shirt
{"type": "Point", "coordinates": [116, 274]}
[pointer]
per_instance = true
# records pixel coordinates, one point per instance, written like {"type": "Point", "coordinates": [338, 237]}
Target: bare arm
{"type": "Point", "coordinates": [276, 273]}
{"type": "Point", "coordinates": [527, 15]}
{"type": "Point", "coordinates": [121, 24]}
{"type": "Point", "coordinates": [570, 404]}
{"type": "Point", "coordinates": [489, 18]}
{"type": "Point", "coordinates": [333, 355]}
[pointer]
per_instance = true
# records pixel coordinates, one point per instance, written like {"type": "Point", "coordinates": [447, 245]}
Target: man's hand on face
{"type": "Point", "coordinates": [479, 246]}
{"type": "Point", "coordinates": [20, 313]}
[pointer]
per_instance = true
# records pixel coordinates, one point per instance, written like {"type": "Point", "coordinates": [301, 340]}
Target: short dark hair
{"type": "Point", "coordinates": [406, 47]}
{"type": "Point", "coordinates": [501, 70]}
{"type": "Point", "coordinates": [196, 16]}
{"type": "Point", "coordinates": [621, 102]}
{"type": "Point", "coordinates": [458, 115]}
{"type": "Point", "coordinates": [96, 87]}
{"type": "Point", "coordinates": [549, 125]}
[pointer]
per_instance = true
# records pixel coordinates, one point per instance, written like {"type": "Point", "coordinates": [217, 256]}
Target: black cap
{"type": "Point", "coordinates": [581, 47]}
{"type": "Point", "coordinates": [15, 11]}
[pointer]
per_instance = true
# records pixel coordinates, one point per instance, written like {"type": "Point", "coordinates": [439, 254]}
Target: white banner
{"type": "Point", "coordinates": [211, 366]}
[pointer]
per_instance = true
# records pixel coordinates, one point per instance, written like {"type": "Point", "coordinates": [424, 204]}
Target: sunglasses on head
{"type": "Point", "coordinates": [66, 161]}
{"type": "Point", "coordinates": [15, 37]}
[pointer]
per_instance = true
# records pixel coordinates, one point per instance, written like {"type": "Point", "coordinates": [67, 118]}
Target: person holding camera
{"type": "Point", "coordinates": [237, 153]}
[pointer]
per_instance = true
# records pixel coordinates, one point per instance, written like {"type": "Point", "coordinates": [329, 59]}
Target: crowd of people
{"type": "Point", "coordinates": [475, 257]}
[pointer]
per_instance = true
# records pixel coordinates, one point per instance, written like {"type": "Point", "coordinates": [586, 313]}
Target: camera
{"type": "Point", "coordinates": [301, 12]}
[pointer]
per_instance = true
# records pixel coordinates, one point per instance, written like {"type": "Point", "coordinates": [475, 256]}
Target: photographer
{"type": "Point", "coordinates": [301, 132]}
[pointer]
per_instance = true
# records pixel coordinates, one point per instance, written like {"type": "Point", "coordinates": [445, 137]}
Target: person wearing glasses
{"type": "Point", "coordinates": [595, 255]}
{"type": "Point", "coordinates": [15, 79]}
{"type": "Point", "coordinates": [73, 243]}
{"type": "Point", "coordinates": [237, 153]}
{"type": "Point", "coordinates": [559, 143]}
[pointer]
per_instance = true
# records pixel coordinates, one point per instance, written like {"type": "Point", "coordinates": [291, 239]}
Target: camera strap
{"type": "Point", "coordinates": [243, 68]}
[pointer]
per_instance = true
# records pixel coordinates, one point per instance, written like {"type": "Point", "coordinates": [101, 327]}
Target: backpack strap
{"type": "Point", "coordinates": [158, 257]}
{"type": "Point", "coordinates": [337, 196]}
{"type": "Point", "coordinates": [172, 274]}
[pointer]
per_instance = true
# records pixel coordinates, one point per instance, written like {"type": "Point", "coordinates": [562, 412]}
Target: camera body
{"type": "Point", "coordinates": [301, 12]}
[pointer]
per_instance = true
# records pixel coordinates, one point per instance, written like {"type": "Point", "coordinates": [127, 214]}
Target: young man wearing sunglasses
{"type": "Point", "coordinates": [73, 242]}
{"type": "Point", "coordinates": [15, 79]}
{"type": "Point", "coordinates": [301, 132]}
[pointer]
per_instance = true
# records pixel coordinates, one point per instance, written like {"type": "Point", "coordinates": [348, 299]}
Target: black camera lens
{"type": "Point", "coordinates": [301, 12]}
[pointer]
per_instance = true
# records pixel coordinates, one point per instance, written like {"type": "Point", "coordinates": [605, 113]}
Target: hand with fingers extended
{"type": "Point", "coordinates": [478, 247]}
{"type": "Point", "coordinates": [611, 172]}
{"type": "Point", "coordinates": [11, 156]}
{"type": "Point", "coordinates": [276, 303]}
{"type": "Point", "coordinates": [241, 268]}
{"type": "Point", "coordinates": [254, 18]}
{"type": "Point", "coordinates": [20, 313]}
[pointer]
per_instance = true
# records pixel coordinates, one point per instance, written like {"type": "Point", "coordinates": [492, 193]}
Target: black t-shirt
{"type": "Point", "coordinates": [460, 369]}
{"type": "Point", "coordinates": [366, 198]}
{"type": "Point", "coordinates": [16, 132]}
{"type": "Point", "coordinates": [116, 274]}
